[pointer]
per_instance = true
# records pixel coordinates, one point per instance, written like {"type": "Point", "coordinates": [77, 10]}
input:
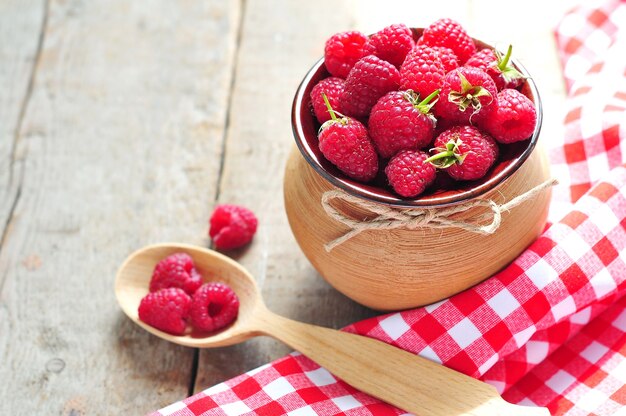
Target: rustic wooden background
{"type": "Point", "coordinates": [122, 124]}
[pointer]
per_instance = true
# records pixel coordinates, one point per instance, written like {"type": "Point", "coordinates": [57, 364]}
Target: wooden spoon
{"type": "Point", "coordinates": [400, 378]}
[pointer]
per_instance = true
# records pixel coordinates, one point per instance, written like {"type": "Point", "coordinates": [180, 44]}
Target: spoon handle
{"type": "Point", "coordinates": [400, 378]}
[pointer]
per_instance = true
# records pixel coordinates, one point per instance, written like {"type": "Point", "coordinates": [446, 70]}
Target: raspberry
{"type": "Point", "coordinates": [512, 119]}
{"type": "Point", "coordinates": [370, 79]}
{"type": "Point", "coordinates": [400, 121]}
{"type": "Point", "coordinates": [482, 59]}
{"type": "Point", "coordinates": [466, 92]}
{"type": "Point", "coordinates": [409, 174]}
{"type": "Point", "coordinates": [464, 152]}
{"type": "Point", "coordinates": [342, 51]}
{"type": "Point", "coordinates": [450, 34]}
{"type": "Point", "coordinates": [166, 310]}
{"type": "Point", "coordinates": [391, 44]}
{"type": "Point", "coordinates": [448, 58]}
{"type": "Point", "coordinates": [422, 71]}
{"type": "Point", "coordinates": [213, 306]}
{"type": "Point", "coordinates": [176, 270]}
{"type": "Point", "coordinates": [345, 143]}
{"type": "Point", "coordinates": [232, 226]}
{"type": "Point", "coordinates": [498, 67]}
{"type": "Point", "coordinates": [333, 88]}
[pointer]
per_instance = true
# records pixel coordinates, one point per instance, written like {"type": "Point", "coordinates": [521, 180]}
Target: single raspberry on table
{"type": "Point", "coordinates": [345, 143]}
{"type": "Point", "coordinates": [512, 119]}
{"type": "Point", "coordinates": [213, 307]}
{"type": "Point", "coordinates": [464, 152]}
{"type": "Point", "coordinates": [333, 88]}
{"type": "Point", "coordinates": [422, 71]}
{"type": "Point", "coordinates": [400, 121]}
{"type": "Point", "coordinates": [466, 94]}
{"type": "Point", "coordinates": [176, 270]}
{"type": "Point", "coordinates": [391, 44]}
{"type": "Point", "coordinates": [166, 309]}
{"type": "Point", "coordinates": [409, 174]}
{"type": "Point", "coordinates": [370, 79]}
{"type": "Point", "coordinates": [498, 67]}
{"type": "Point", "coordinates": [450, 34]}
{"type": "Point", "coordinates": [448, 58]}
{"type": "Point", "coordinates": [232, 226]}
{"type": "Point", "coordinates": [342, 51]}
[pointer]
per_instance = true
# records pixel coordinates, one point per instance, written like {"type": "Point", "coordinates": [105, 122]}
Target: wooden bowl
{"type": "Point", "coordinates": [401, 268]}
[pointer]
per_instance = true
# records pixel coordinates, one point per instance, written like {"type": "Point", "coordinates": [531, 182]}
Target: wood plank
{"type": "Point", "coordinates": [280, 41]}
{"type": "Point", "coordinates": [122, 143]}
{"type": "Point", "coordinates": [21, 24]}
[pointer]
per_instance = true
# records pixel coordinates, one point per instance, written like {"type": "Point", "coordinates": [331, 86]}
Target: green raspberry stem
{"type": "Point", "coordinates": [423, 106]}
{"type": "Point", "coordinates": [447, 156]}
{"type": "Point", "coordinates": [329, 107]}
{"type": "Point", "coordinates": [432, 95]}
{"type": "Point", "coordinates": [440, 155]}
{"type": "Point", "coordinates": [505, 61]}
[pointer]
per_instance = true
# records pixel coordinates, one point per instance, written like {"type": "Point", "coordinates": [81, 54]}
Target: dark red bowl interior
{"type": "Point", "coordinates": [444, 191]}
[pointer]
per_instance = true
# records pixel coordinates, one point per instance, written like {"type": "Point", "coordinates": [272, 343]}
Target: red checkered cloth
{"type": "Point", "coordinates": [550, 329]}
{"type": "Point", "coordinates": [594, 64]}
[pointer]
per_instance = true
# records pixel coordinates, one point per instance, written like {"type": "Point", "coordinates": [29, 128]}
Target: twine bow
{"type": "Point", "coordinates": [391, 218]}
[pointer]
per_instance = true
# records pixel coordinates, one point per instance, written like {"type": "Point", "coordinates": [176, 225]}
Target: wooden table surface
{"type": "Point", "coordinates": [123, 124]}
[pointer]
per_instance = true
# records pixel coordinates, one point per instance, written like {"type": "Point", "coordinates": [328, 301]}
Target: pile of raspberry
{"type": "Point", "coordinates": [178, 296]}
{"type": "Point", "coordinates": [418, 107]}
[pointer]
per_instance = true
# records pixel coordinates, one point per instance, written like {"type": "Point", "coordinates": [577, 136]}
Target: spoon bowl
{"type": "Point", "coordinates": [398, 377]}
{"type": "Point", "coordinates": [133, 281]}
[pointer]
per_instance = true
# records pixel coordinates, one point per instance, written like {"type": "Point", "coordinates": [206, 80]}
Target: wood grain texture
{"type": "Point", "coordinates": [21, 27]}
{"type": "Point", "coordinates": [122, 139]}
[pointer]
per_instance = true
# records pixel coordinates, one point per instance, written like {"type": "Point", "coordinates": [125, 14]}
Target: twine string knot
{"type": "Point", "coordinates": [389, 218]}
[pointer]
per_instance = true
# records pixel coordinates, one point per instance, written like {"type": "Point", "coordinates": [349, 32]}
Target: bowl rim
{"type": "Point", "coordinates": [434, 201]}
